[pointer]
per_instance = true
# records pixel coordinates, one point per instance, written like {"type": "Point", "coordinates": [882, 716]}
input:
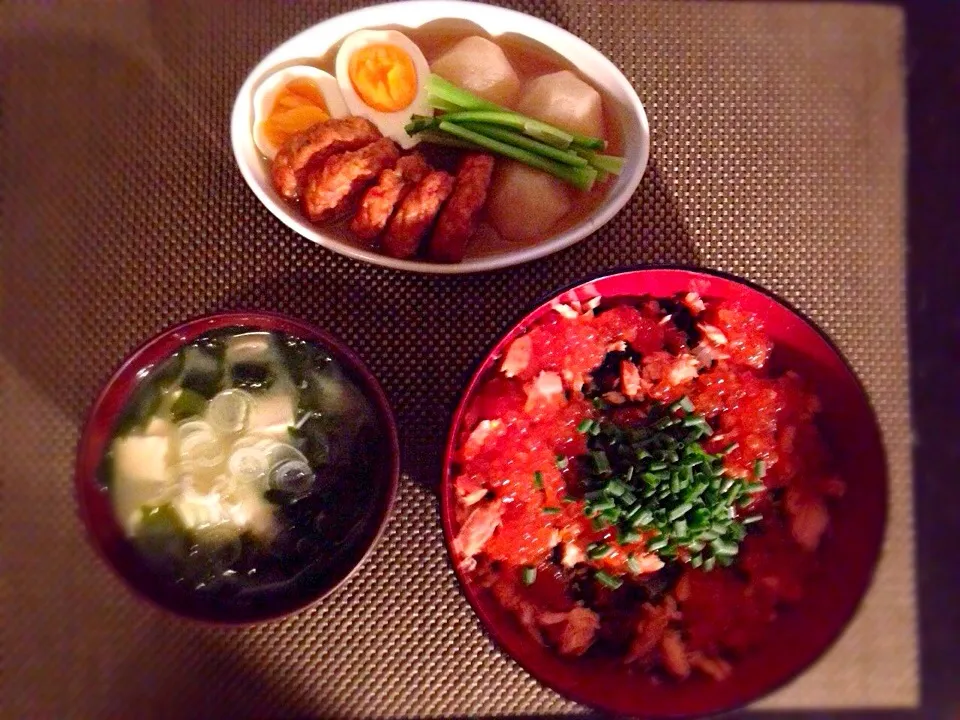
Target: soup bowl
{"type": "Point", "coordinates": [109, 538]}
{"type": "Point", "coordinates": [623, 107]}
{"type": "Point", "coordinates": [850, 550]}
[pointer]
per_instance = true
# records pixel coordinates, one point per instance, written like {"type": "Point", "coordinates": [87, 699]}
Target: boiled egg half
{"type": "Point", "coordinates": [382, 76]}
{"type": "Point", "coordinates": [292, 100]}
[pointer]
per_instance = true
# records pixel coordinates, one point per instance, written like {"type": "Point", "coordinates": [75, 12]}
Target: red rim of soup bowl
{"type": "Point", "coordinates": [108, 538]}
{"type": "Point", "coordinates": [803, 632]}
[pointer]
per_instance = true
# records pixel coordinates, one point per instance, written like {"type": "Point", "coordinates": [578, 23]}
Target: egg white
{"type": "Point", "coordinates": [266, 95]}
{"type": "Point", "coordinates": [391, 124]}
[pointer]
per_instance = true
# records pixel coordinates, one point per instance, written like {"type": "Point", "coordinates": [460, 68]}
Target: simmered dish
{"type": "Point", "coordinates": [243, 465]}
{"type": "Point", "coordinates": [635, 480]}
{"type": "Point", "coordinates": [510, 145]}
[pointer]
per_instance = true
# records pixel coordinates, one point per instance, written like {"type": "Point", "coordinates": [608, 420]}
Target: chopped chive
{"type": "Point", "coordinates": [683, 403]}
{"type": "Point", "coordinates": [615, 488]}
{"type": "Point", "coordinates": [730, 448]}
{"type": "Point", "coordinates": [600, 462]}
{"type": "Point", "coordinates": [657, 544]}
{"type": "Point", "coordinates": [720, 547]}
{"type": "Point", "coordinates": [595, 551]}
{"type": "Point", "coordinates": [751, 519]}
{"type": "Point", "coordinates": [584, 425]}
{"type": "Point", "coordinates": [612, 514]}
{"type": "Point", "coordinates": [528, 575]}
{"type": "Point", "coordinates": [609, 580]}
{"type": "Point", "coordinates": [696, 561]}
{"type": "Point", "coordinates": [680, 528]}
{"type": "Point", "coordinates": [602, 504]}
{"type": "Point", "coordinates": [759, 469]}
{"type": "Point", "coordinates": [658, 476]}
{"type": "Point", "coordinates": [633, 564]}
{"type": "Point", "coordinates": [538, 480]}
{"type": "Point", "coordinates": [567, 499]}
{"type": "Point", "coordinates": [548, 510]}
{"type": "Point", "coordinates": [628, 537]}
{"type": "Point", "coordinates": [562, 462]}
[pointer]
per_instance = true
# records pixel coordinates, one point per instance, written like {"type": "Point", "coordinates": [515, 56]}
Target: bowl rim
{"type": "Point", "coordinates": [454, 9]}
{"type": "Point", "coordinates": [493, 629]}
{"type": "Point", "coordinates": [184, 332]}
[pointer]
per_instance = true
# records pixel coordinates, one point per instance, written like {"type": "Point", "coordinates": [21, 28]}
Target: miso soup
{"type": "Point", "coordinates": [244, 464]}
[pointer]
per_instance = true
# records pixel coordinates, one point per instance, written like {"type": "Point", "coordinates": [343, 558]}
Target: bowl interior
{"type": "Point", "coordinates": [621, 102]}
{"type": "Point", "coordinates": [107, 535]}
{"type": "Point", "coordinates": [852, 545]}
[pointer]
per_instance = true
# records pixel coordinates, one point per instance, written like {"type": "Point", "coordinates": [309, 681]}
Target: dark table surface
{"type": "Point", "coordinates": [934, 300]}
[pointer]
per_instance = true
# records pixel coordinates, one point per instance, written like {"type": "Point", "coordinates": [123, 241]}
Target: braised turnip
{"type": "Point", "coordinates": [564, 100]}
{"type": "Point", "coordinates": [479, 65]}
{"type": "Point", "coordinates": [524, 203]}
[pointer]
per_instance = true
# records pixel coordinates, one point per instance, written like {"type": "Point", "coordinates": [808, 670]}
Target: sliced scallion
{"type": "Point", "coordinates": [608, 580]}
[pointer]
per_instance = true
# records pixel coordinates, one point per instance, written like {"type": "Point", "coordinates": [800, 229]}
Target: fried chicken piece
{"type": "Point", "coordinates": [458, 219]}
{"type": "Point", "coordinates": [416, 214]}
{"type": "Point", "coordinates": [381, 200]}
{"type": "Point", "coordinates": [311, 147]}
{"type": "Point", "coordinates": [331, 189]}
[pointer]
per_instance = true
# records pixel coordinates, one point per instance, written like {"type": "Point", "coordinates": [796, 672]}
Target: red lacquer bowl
{"type": "Point", "coordinates": [801, 634]}
{"type": "Point", "coordinates": [108, 537]}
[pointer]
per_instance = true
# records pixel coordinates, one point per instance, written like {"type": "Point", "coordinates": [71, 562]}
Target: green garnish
{"type": "Point", "coordinates": [187, 404]}
{"type": "Point", "coordinates": [759, 469]}
{"type": "Point", "coordinates": [528, 575]}
{"type": "Point", "coordinates": [658, 481]}
{"type": "Point", "coordinates": [595, 551]}
{"type": "Point", "coordinates": [606, 579]}
{"type": "Point", "coordinates": [538, 480]}
{"type": "Point", "coordinates": [451, 95]}
{"type": "Point", "coordinates": [607, 164]}
{"type": "Point", "coordinates": [684, 404]}
{"type": "Point", "coordinates": [551, 510]}
{"type": "Point", "coordinates": [564, 157]}
{"type": "Point", "coordinates": [625, 537]}
{"type": "Point", "coordinates": [562, 462]}
{"type": "Point", "coordinates": [471, 121]}
{"type": "Point", "coordinates": [581, 178]}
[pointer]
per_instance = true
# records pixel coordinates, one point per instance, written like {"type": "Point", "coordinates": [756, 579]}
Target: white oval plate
{"type": "Point", "coordinates": [314, 42]}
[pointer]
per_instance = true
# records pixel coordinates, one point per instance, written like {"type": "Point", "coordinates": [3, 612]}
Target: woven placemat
{"type": "Point", "coordinates": [778, 154]}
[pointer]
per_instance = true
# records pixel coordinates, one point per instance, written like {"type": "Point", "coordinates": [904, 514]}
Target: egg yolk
{"type": "Point", "coordinates": [384, 77]}
{"type": "Point", "coordinates": [299, 105]}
